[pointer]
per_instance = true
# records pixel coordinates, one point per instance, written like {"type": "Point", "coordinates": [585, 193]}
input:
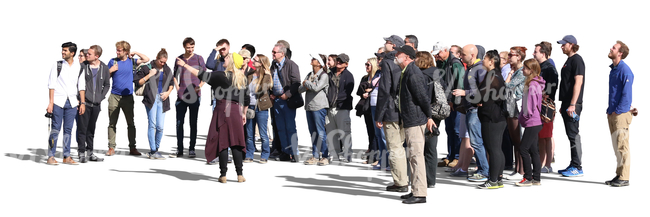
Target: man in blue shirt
{"type": "Point", "coordinates": [286, 81]}
{"type": "Point", "coordinates": [121, 69]}
{"type": "Point", "coordinates": [619, 113]}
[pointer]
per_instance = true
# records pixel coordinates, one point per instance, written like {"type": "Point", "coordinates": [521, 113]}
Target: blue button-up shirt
{"type": "Point", "coordinates": [278, 90]}
{"type": "Point", "coordinates": [620, 88]}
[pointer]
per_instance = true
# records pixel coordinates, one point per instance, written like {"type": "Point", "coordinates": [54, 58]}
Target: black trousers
{"type": "Point", "coordinates": [370, 129]}
{"type": "Point", "coordinates": [492, 140]}
{"type": "Point", "coordinates": [86, 128]}
{"type": "Point", "coordinates": [508, 149]}
{"type": "Point", "coordinates": [181, 110]}
{"type": "Point", "coordinates": [237, 157]}
{"type": "Point", "coordinates": [275, 145]}
{"type": "Point", "coordinates": [431, 155]}
{"type": "Point", "coordinates": [530, 150]}
{"type": "Point", "coordinates": [572, 132]}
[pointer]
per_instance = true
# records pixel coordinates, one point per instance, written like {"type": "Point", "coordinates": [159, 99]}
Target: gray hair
{"type": "Point", "coordinates": [281, 48]}
{"type": "Point", "coordinates": [413, 39]}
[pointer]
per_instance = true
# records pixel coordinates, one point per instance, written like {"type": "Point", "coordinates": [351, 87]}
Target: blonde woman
{"type": "Point", "coordinates": [229, 116]}
{"type": "Point", "coordinates": [259, 84]}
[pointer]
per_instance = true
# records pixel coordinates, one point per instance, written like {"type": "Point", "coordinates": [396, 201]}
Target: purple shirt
{"type": "Point", "coordinates": [187, 81]}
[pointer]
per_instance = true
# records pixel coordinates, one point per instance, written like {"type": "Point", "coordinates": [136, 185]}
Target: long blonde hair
{"type": "Point", "coordinates": [238, 78]}
{"type": "Point", "coordinates": [266, 66]}
{"type": "Point", "coordinates": [373, 70]}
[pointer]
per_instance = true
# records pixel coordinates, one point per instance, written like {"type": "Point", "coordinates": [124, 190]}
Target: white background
{"type": "Point", "coordinates": [33, 32]}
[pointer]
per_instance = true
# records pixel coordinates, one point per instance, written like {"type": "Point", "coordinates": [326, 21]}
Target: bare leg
{"type": "Point", "coordinates": [542, 151]}
{"type": "Point", "coordinates": [550, 151]}
{"type": "Point", "coordinates": [515, 137]}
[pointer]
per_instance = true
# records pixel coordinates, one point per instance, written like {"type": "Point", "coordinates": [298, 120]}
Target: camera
{"type": "Point", "coordinates": [49, 115]}
{"type": "Point", "coordinates": [435, 132]}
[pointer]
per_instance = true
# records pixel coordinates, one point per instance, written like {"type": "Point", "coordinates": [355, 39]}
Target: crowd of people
{"type": "Point", "coordinates": [483, 97]}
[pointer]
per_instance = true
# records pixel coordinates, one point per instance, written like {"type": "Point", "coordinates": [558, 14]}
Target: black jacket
{"type": "Point", "coordinates": [492, 92]}
{"type": "Point", "coordinates": [549, 74]}
{"type": "Point", "coordinates": [386, 109]}
{"type": "Point", "coordinates": [290, 75]}
{"type": "Point", "coordinates": [415, 103]}
{"type": "Point", "coordinates": [96, 94]}
{"type": "Point", "coordinates": [344, 93]}
{"type": "Point", "coordinates": [152, 84]}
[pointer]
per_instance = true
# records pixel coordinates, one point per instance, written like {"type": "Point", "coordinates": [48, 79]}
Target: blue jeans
{"type": "Point", "coordinates": [285, 120]}
{"type": "Point", "coordinates": [156, 123]}
{"type": "Point", "coordinates": [316, 123]}
{"type": "Point", "coordinates": [261, 120]}
{"type": "Point", "coordinates": [476, 141]}
{"type": "Point", "coordinates": [452, 125]}
{"type": "Point", "coordinates": [381, 140]}
{"type": "Point", "coordinates": [62, 116]}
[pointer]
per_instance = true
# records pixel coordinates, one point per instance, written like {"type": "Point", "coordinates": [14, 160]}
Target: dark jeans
{"type": "Point", "coordinates": [492, 136]}
{"type": "Point", "coordinates": [370, 130]}
{"type": "Point", "coordinates": [181, 109]}
{"type": "Point", "coordinates": [86, 124]}
{"type": "Point", "coordinates": [507, 149]}
{"type": "Point", "coordinates": [452, 125]}
{"type": "Point", "coordinates": [63, 117]}
{"type": "Point", "coordinates": [237, 157]}
{"type": "Point", "coordinates": [431, 155]}
{"type": "Point", "coordinates": [572, 132]}
{"type": "Point", "coordinates": [275, 144]}
{"type": "Point", "coordinates": [529, 149]}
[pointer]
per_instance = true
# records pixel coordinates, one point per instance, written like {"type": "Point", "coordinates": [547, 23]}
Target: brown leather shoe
{"type": "Point", "coordinates": [51, 161]}
{"type": "Point", "coordinates": [222, 179]}
{"type": "Point", "coordinates": [241, 179]}
{"type": "Point", "coordinates": [68, 160]}
{"type": "Point", "coordinates": [110, 152]}
{"type": "Point", "coordinates": [453, 163]}
{"type": "Point", "coordinates": [134, 151]}
{"type": "Point", "coordinates": [443, 163]}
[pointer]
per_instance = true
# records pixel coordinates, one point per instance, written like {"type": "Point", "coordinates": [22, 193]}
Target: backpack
{"type": "Point", "coordinates": [139, 91]}
{"type": "Point", "coordinates": [440, 109]}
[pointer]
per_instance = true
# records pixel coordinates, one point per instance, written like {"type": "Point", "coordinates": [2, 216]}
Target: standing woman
{"type": "Point", "coordinates": [315, 85]}
{"type": "Point", "coordinates": [158, 78]}
{"type": "Point", "coordinates": [380, 138]}
{"type": "Point", "coordinates": [425, 62]}
{"type": "Point", "coordinates": [493, 119]}
{"type": "Point", "coordinates": [229, 116]}
{"type": "Point", "coordinates": [82, 55]}
{"type": "Point", "coordinates": [259, 84]}
{"type": "Point", "coordinates": [530, 119]}
{"type": "Point", "coordinates": [363, 108]}
{"type": "Point", "coordinates": [515, 85]}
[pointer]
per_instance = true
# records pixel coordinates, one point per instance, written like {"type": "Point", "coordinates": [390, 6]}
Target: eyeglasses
{"type": "Point", "coordinates": [273, 52]}
{"type": "Point", "coordinates": [367, 65]}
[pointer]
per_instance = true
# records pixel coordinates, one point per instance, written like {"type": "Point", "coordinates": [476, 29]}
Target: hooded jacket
{"type": "Point", "coordinates": [532, 103]}
{"type": "Point", "coordinates": [386, 109]}
{"type": "Point", "coordinates": [96, 91]}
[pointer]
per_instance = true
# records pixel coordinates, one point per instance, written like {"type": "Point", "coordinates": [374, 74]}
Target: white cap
{"type": "Point", "coordinates": [317, 57]}
{"type": "Point", "coordinates": [438, 47]}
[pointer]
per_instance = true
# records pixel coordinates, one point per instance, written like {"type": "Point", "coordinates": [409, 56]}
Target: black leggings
{"type": "Point", "coordinates": [238, 157]}
{"type": "Point", "coordinates": [492, 138]}
{"type": "Point", "coordinates": [529, 149]}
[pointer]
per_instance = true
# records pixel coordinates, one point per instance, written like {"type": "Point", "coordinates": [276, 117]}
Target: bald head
{"type": "Point", "coordinates": [469, 54]}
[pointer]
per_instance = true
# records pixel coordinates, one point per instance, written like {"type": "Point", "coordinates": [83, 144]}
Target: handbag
{"type": "Point", "coordinates": [250, 113]}
{"type": "Point", "coordinates": [139, 90]}
{"type": "Point", "coordinates": [295, 101]}
{"type": "Point", "coordinates": [511, 105]}
{"type": "Point", "coordinates": [547, 110]}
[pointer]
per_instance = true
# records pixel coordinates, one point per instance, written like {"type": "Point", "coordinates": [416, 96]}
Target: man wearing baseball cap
{"type": "Point", "coordinates": [338, 121]}
{"type": "Point", "coordinates": [571, 91]}
{"type": "Point", "coordinates": [415, 112]}
{"type": "Point", "coordinates": [387, 115]}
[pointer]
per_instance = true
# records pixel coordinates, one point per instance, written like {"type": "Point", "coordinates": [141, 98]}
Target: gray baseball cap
{"type": "Point", "coordinates": [396, 40]}
{"type": "Point", "coordinates": [568, 39]}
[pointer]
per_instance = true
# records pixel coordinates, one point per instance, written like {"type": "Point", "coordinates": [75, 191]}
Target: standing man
{"type": "Point", "coordinates": [451, 78]}
{"type": "Point", "coordinates": [387, 114]}
{"type": "Point", "coordinates": [411, 40]}
{"type": "Point", "coordinates": [415, 112]}
{"type": "Point", "coordinates": [188, 88]}
{"type": "Point", "coordinates": [121, 69]}
{"type": "Point", "coordinates": [97, 84]}
{"type": "Point", "coordinates": [571, 91]}
{"type": "Point", "coordinates": [64, 86]}
{"type": "Point", "coordinates": [338, 124]}
{"type": "Point", "coordinates": [215, 61]}
{"type": "Point", "coordinates": [619, 114]}
{"type": "Point", "coordinates": [549, 74]}
{"type": "Point", "coordinates": [286, 81]}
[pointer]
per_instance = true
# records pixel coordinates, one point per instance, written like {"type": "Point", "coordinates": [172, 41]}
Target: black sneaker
{"type": "Point", "coordinates": [82, 158]}
{"type": "Point", "coordinates": [610, 181]}
{"type": "Point", "coordinates": [192, 154]}
{"type": "Point", "coordinates": [489, 185]}
{"type": "Point", "coordinates": [620, 183]}
{"type": "Point", "coordinates": [176, 154]}
{"type": "Point", "coordinates": [396, 188]}
{"type": "Point", "coordinates": [93, 157]}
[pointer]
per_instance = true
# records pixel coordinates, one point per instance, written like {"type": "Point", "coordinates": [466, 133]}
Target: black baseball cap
{"type": "Point", "coordinates": [408, 50]}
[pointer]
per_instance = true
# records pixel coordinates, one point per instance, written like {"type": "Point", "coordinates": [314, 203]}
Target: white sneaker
{"type": "Point", "coordinates": [513, 176]}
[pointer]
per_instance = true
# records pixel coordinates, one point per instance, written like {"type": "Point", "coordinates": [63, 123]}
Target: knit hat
{"type": "Point", "coordinates": [237, 60]}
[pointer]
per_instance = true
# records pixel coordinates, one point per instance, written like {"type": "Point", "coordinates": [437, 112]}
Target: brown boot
{"type": "Point", "coordinates": [453, 163]}
{"type": "Point", "coordinates": [443, 163]}
{"type": "Point", "coordinates": [68, 160]}
{"type": "Point", "coordinates": [134, 151]}
{"type": "Point", "coordinates": [222, 179]}
{"type": "Point", "coordinates": [51, 161]}
{"type": "Point", "coordinates": [110, 152]}
{"type": "Point", "coordinates": [241, 179]}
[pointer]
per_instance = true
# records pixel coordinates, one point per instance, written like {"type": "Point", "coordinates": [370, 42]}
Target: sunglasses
{"type": "Point", "coordinates": [511, 55]}
{"type": "Point", "coordinates": [367, 65]}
